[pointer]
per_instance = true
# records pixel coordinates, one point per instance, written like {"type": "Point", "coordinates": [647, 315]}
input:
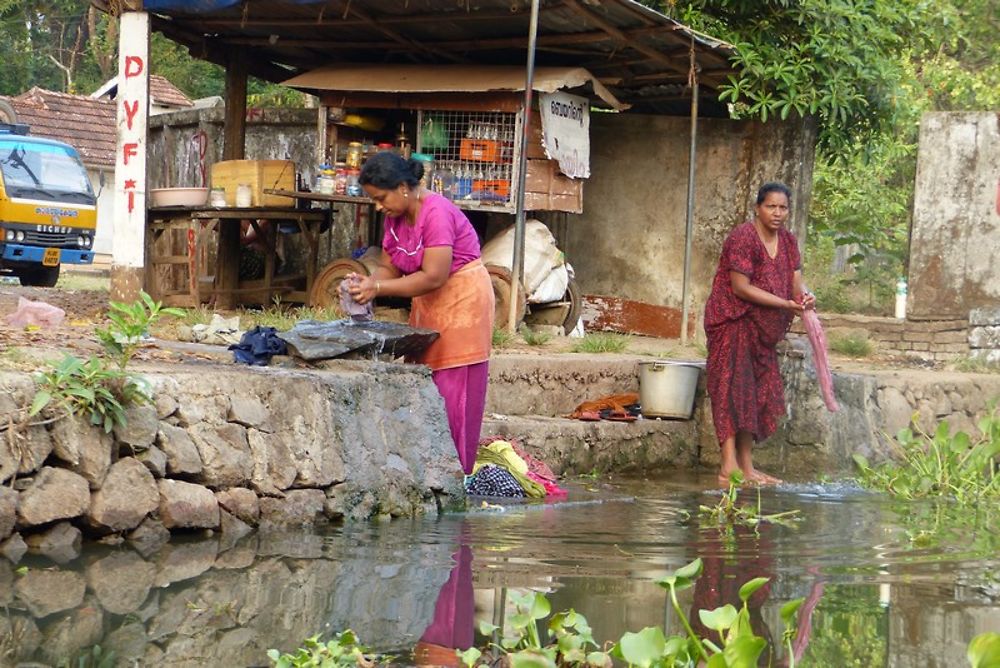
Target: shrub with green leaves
{"type": "Point", "coordinates": [100, 387]}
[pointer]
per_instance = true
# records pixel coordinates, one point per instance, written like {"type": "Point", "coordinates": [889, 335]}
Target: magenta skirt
{"type": "Point", "coordinates": [464, 391]}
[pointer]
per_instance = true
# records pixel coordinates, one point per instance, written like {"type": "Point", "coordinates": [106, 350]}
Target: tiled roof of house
{"type": "Point", "coordinates": [82, 122]}
{"type": "Point", "coordinates": [164, 93]}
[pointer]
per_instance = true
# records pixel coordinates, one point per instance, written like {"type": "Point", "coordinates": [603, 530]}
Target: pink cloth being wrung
{"type": "Point", "coordinates": [817, 339]}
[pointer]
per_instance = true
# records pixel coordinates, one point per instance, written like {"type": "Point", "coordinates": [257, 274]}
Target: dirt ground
{"type": "Point", "coordinates": [83, 294]}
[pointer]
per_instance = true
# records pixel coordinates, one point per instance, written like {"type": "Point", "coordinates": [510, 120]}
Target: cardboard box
{"type": "Point", "coordinates": [547, 189]}
{"type": "Point", "coordinates": [260, 175]}
{"type": "Point", "coordinates": [535, 148]}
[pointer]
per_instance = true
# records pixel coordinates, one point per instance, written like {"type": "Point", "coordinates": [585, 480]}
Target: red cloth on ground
{"type": "Point", "coordinates": [743, 379]}
{"type": "Point", "coordinates": [817, 339]}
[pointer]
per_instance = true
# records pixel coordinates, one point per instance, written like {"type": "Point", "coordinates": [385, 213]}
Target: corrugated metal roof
{"type": "Point", "coordinates": [78, 120]}
{"type": "Point", "coordinates": [631, 49]}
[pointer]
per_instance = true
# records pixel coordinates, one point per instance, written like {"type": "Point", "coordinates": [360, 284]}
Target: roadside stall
{"type": "Point", "coordinates": [464, 123]}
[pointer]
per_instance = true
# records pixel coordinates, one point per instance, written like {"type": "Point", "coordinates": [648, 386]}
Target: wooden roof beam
{"type": "Point", "coordinates": [622, 37]}
{"type": "Point", "coordinates": [350, 8]}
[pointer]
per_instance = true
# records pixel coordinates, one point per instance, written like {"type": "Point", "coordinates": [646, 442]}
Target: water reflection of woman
{"type": "Point", "coordinates": [451, 630]}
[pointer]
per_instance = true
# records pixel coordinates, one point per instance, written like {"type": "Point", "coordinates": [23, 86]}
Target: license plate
{"type": "Point", "coordinates": [51, 257]}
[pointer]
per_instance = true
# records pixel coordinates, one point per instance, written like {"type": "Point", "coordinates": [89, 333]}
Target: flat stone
{"type": "Point", "coordinates": [46, 592]}
{"type": "Point", "coordinates": [84, 447]}
{"type": "Point", "coordinates": [274, 468]}
{"type": "Point", "coordinates": [186, 505]}
{"type": "Point", "coordinates": [232, 527]}
{"type": "Point", "coordinates": [249, 412]}
{"type": "Point", "coordinates": [140, 428]}
{"type": "Point", "coordinates": [979, 317]}
{"type": "Point", "coordinates": [241, 502]}
{"type": "Point", "coordinates": [165, 405]}
{"type": "Point", "coordinates": [72, 633]}
{"type": "Point", "coordinates": [55, 494]}
{"type": "Point", "coordinates": [312, 340]}
{"type": "Point", "coordinates": [182, 454]}
{"type": "Point", "coordinates": [8, 511]}
{"type": "Point", "coordinates": [60, 543]}
{"type": "Point", "coordinates": [34, 446]}
{"type": "Point", "coordinates": [155, 460]}
{"type": "Point", "coordinates": [225, 454]}
{"type": "Point", "coordinates": [149, 537]}
{"type": "Point", "coordinates": [987, 336]}
{"type": "Point", "coordinates": [183, 561]}
{"type": "Point", "coordinates": [299, 507]}
{"type": "Point", "coordinates": [13, 548]}
{"type": "Point", "coordinates": [128, 495]}
{"type": "Point", "coordinates": [23, 637]}
{"type": "Point", "coordinates": [121, 581]}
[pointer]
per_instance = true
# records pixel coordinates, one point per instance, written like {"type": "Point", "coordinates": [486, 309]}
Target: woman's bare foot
{"type": "Point", "coordinates": [760, 478]}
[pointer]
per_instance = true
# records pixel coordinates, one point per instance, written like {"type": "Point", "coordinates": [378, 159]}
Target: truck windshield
{"type": "Point", "coordinates": [43, 171]}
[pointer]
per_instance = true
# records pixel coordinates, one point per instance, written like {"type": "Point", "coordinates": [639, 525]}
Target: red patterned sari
{"type": "Point", "coordinates": [744, 382]}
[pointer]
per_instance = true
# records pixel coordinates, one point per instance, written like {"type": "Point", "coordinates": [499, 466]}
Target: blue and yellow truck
{"type": "Point", "coordinates": [48, 210]}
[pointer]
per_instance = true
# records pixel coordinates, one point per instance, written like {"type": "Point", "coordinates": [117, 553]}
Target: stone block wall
{"type": "Point", "coordinates": [929, 340]}
{"type": "Point", "coordinates": [984, 334]}
{"type": "Point", "coordinates": [224, 448]}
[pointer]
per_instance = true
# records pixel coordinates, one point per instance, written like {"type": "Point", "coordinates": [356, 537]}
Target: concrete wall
{"type": "Point", "coordinates": [956, 216]}
{"type": "Point", "coordinates": [629, 241]}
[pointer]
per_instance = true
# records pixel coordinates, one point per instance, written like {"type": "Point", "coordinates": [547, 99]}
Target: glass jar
{"type": "Point", "coordinates": [340, 179]}
{"type": "Point", "coordinates": [354, 188]}
{"type": "Point", "coordinates": [244, 196]}
{"type": "Point", "coordinates": [217, 197]}
{"type": "Point", "coordinates": [355, 153]}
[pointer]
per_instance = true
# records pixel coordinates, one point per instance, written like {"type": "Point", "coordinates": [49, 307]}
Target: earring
{"type": "Point", "coordinates": [406, 193]}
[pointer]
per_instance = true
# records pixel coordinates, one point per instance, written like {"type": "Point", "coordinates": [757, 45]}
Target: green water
{"type": "Point", "coordinates": [889, 585]}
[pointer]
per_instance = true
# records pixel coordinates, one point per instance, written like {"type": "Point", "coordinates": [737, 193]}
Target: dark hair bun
{"type": "Point", "coordinates": [416, 168]}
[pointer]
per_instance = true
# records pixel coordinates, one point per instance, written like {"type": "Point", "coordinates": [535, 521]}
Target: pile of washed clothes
{"type": "Point", "coordinates": [504, 469]}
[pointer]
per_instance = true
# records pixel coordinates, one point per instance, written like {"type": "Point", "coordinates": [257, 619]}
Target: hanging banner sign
{"type": "Point", "coordinates": [566, 132]}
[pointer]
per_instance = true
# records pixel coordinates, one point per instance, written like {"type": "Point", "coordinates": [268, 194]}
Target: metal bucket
{"type": "Point", "coordinates": [667, 388]}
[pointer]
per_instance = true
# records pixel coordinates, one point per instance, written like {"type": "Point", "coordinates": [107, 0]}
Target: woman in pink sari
{"type": "Point", "coordinates": [430, 252]}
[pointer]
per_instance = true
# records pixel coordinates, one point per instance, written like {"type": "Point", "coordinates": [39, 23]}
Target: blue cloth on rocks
{"type": "Point", "coordinates": [257, 346]}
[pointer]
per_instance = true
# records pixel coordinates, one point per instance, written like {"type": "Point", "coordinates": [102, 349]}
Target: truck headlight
{"type": "Point", "coordinates": [19, 236]}
{"type": "Point", "coordinates": [8, 235]}
{"type": "Point", "coordinates": [81, 241]}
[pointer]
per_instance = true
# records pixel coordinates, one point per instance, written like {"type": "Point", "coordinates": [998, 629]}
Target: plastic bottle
{"type": "Point", "coordinates": [901, 299]}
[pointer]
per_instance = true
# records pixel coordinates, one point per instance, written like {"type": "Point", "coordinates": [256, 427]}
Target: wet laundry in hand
{"type": "Point", "coordinates": [817, 339]}
{"type": "Point", "coordinates": [357, 312]}
{"type": "Point", "coordinates": [257, 346]}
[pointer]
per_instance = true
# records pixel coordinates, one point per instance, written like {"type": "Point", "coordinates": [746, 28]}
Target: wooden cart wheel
{"type": "Point", "coordinates": [324, 293]}
{"type": "Point", "coordinates": [575, 298]}
{"type": "Point", "coordinates": [502, 281]}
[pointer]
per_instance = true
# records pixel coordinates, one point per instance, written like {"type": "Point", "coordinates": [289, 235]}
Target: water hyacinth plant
{"type": "Point", "coordinates": [942, 464]}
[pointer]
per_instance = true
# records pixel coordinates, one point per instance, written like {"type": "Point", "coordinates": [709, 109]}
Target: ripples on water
{"type": "Point", "coordinates": [893, 584]}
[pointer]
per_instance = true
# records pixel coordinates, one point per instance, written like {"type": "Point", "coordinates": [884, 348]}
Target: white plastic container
{"type": "Point", "coordinates": [667, 388]}
{"type": "Point", "coordinates": [901, 299]}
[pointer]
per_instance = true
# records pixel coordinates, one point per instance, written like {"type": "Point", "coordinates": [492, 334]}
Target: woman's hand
{"type": "Point", "coordinates": [794, 306]}
{"type": "Point", "coordinates": [808, 300]}
{"type": "Point", "coordinates": [363, 289]}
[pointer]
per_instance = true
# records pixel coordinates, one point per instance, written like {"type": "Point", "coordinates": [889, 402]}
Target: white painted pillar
{"type": "Point", "coordinates": [131, 139]}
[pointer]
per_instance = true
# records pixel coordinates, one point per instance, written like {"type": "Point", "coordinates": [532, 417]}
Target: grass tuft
{"type": "Point", "coordinates": [501, 337]}
{"type": "Point", "coordinates": [534, 337]}
{"type": "Point", "coordinates": [851, 345]}
{"type": "Point", "coordinates": [602, 342]}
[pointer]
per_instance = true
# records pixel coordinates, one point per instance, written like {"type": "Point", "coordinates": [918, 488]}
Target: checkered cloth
{"type": "Point", "coordinates": [492, 480]}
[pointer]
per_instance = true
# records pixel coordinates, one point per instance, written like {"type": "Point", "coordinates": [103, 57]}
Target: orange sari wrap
{"type": "Point", "coordinates": [461, 310]}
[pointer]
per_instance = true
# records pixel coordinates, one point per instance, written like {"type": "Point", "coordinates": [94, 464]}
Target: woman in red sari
{"type": "Point", "coordinates": [756, 293]}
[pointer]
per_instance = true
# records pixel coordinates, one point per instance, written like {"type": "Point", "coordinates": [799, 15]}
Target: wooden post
{"type": "Point", "coordinates": [131, 139]}
{"type": "Point", "coordinates": [227, 266]}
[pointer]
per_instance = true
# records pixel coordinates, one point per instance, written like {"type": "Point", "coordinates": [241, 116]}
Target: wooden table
{"type": "Point", "coordinates": [164, 256]}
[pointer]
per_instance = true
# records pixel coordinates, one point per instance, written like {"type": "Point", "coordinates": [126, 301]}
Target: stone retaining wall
{"type": "Point", "coordinates": [224, 447]}
{"type": "Point", "coordinates": [984, 334]}
{"type": "Point", "coordinates": [874, 406]}
{"type": "Point", "coordinates": [932, 340]}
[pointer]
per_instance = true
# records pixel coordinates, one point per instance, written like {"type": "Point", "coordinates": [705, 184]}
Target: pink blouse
{"type": "Point", "coordinates": [439, 223]}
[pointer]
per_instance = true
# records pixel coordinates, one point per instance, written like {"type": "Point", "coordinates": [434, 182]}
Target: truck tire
{"type": "Point", "coordinates": [7, 113]}
{"type": "Point", "coordinates": [43, 277]}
